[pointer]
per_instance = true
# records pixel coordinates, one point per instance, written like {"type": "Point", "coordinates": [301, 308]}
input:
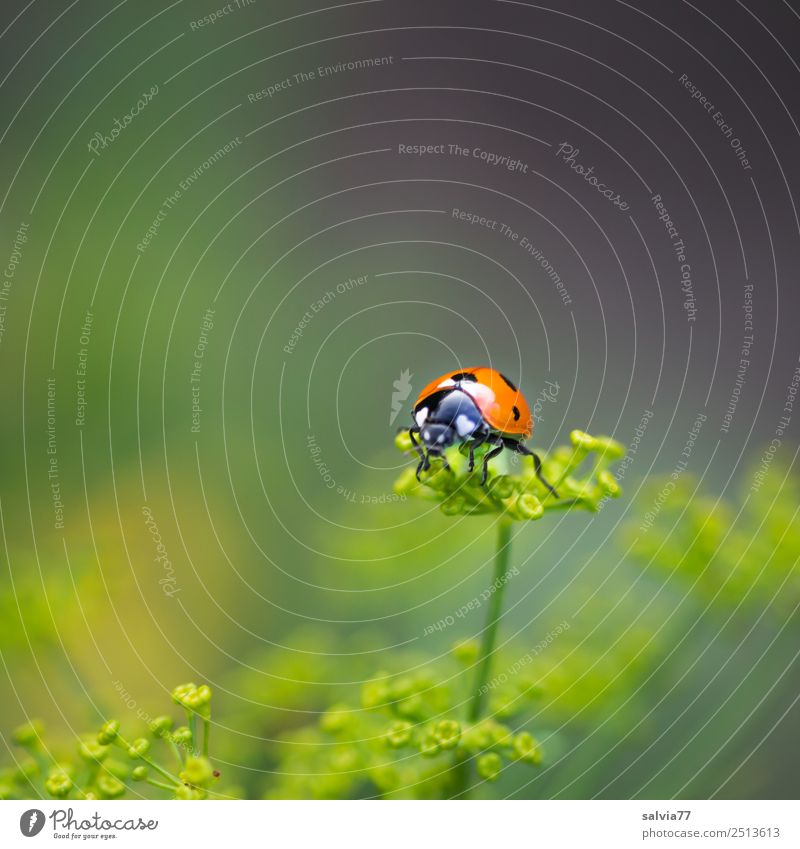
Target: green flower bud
{"type": "Point", "coordinates": [200, 700]}
{"type": "Point", "coordinates": [109, 787]}
{"type": "Point", "coordinates": [448, 733]}
{"type": "Point", "coordinates": [181, 736]}
{"type": "Point", "coordinates": [193, 698]}
{"type": "Point", "coordinates": [161, 725]}
{"type": "Point", "coordinates": [30, 734]}
{"type": "Point", "coordinates": [398, 734]}
{"type": "Point", "coordinates": [58, 783]}
{"type": "Point", "coordinates": [489, 766]}
{"type": "Point", "coordinates": [582, 440]}
{"type": "Point", "coordinates": [7, 791]}
{"type": "Point", "coordinates": [403, 441]}
{"type": "Point", "coordinates": [502, 486]}
{"type": "Point", "coordinates": [139, 773]}
{"type": "Point", "coordinates": [108, 732]}
{"type": "Point", "coordinates": [375, 693]}
{"type": "Point", "coordinates": [335, 719]}
{"type": "Point", "coordinates": [528, 506]}
{"type": "Point", "coordinates": [454, 505]}
{"type": "Point", "coordinates": [610, 448]}
{"type": "Point", "coordinates": [204, 694]}
{"type": "Point", "coordinates": [466, 651]}
{"type": "Point", "coordinates": [608, 483]}
{"type": "Point", "coordinates": [187, 792]}
{"type": "Point", "coordinates": [139, 748]}
{"type": "Point", "coordinates": [429, 746]}
{"type": "Point", "coordinates": [92, 751]}
{"type": "Point", "coordinates": [526, 748]}
{"type": "Point", "coordinates": [197, 771]}
{"type": "Point", "coordinates": [436, 478]}
{"type": "Point", "coordinates": [182, 692]}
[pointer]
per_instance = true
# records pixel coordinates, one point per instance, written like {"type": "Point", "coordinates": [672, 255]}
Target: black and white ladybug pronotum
{"type": "Point", "coordinates": [475, 405]}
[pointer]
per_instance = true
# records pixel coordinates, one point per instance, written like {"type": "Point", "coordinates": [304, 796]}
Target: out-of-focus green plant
{"type": "Point", "coordinates": [555, 683]}
{"type": "Point", "coordinates": [405, 738]}
{"type": "Point", "coordinates": [108, 765]}
{"type": "Point", "coordinates": [418, 735]}
{"type": "Point", "coordinates": [729, 567]}
{"type": "Point", "coordinates": [735, 556]}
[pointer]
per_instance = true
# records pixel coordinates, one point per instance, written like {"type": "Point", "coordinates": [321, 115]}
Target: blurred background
{"type": "Point", "coordinates": [237, 242]}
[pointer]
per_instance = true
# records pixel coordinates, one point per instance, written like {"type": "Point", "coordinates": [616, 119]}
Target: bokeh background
{"type": "Point", "coordinates": [232, 375]}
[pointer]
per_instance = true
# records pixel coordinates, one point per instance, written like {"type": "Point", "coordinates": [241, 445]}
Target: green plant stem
{"type": "Point", "coordinates": [462, 767]}
{"type": "Point", "coordinates": [163, 785]}
{"type": "Point", "coordinates": [564, 503]}
{"type": "Point", "coordinates": [493, 615]}
{"type": "Point", "coordinates": [206, 730]}
{"type": "Point", "coordinates": [177, 752]}
{"type": "Point", "coordinates": [193, 728]}
{"type": "Point", "coordinates": [125, 746]}
{"type": "Point", "coordinates": [158, 768]}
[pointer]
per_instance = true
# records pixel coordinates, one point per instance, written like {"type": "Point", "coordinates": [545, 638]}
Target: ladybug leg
{"type": "Point", "coordinates": [424, 457]}
{"type": "Point", "coordinates": [412, 435]}
{"type": "Point", "coordinates": [537, 463]}
{"type": "Point", "coordinates": [493, 453]}
{"type": "Point", "coordinates": [423, 465]}
{"type": "Point", "coordinates": [476, 443]}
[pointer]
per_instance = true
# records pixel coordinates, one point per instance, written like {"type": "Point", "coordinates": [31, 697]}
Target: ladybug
{"type": "Point", "coordinates": [479, 405]}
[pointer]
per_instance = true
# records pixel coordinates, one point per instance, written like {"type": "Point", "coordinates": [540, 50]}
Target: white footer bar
{"type": "Point", "coordinates": [405, 825]}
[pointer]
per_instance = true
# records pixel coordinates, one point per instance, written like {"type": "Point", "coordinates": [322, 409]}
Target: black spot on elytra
{"type": "Point", "coordinates": [509, 383]}
{"type": "Point", "coordinates": [515, 411]}
{"type": "Point", "coordinates": [465, 375]}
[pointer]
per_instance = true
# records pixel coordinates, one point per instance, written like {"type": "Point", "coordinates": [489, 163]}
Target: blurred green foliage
{"type": "Point", "coordinates": [405, 738]}
{"type": "Point", "coordinates": [108, 765]}
{"type": "Point", "coordinates": [730, 555]}
{"type": "Point", "coordinates": [589, 696]}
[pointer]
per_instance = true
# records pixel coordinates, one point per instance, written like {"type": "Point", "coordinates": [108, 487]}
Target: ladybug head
{"type": "Point", "coordinates": [438, 436]}
{"type": "Point", "coordinates": [446, 417]}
